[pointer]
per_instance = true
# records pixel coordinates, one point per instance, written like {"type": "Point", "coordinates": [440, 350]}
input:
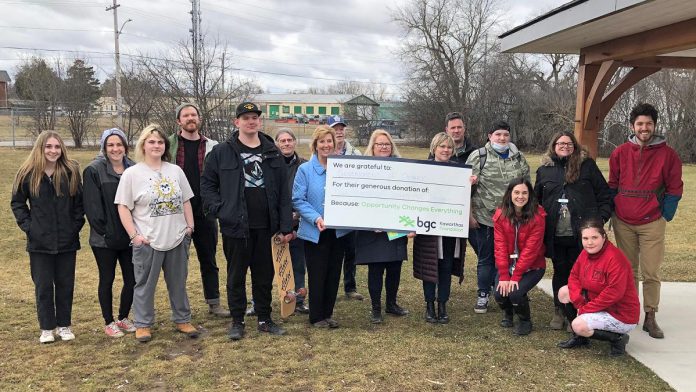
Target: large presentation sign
{"type": "Point", "coordinates": [398, 195]}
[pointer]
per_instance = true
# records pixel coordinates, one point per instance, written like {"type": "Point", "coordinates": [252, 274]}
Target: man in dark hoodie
{"type": "Point", "coordinates": [646, 176]}
{"type": "Point", "coordinates": [244, 185]}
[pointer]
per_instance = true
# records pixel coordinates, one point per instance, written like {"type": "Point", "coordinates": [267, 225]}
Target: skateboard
{"type": "Point", "coordinates": [284, 278]}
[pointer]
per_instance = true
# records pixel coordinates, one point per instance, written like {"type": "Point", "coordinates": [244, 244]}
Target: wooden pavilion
{"type": "Point", "coordinates": [644, 35]}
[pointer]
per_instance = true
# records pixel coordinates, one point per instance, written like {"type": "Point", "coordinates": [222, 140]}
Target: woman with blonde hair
{"type": "Point", "coordinates": [154, 206]}
{"type": "Point", "coordinates": [47, 204]}
{"type": "Point", "coordinates": [436, 258]}
{"type": "Point", "coordinates": [323, 250]}
{"type": "Point", "coordinates": [376, 250]}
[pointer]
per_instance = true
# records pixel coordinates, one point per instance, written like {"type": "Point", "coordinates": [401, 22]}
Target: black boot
{"type": "Point", "coordinates": [376, 315]}
{"type": "Point", "coordinates": [617, 341]}
{"type": "Point", "coordinates": [430, 312]}
{"type": "Point", "coordinates": [524, 326]}
{"type": "Point", "coordinates": [442, 316]}
{"type": "Point", "coordinates": [574, 341]}
{"type": "Point", "coordinates": [396, 310]}
{"type": "Point", "coordinates": [506, 306]}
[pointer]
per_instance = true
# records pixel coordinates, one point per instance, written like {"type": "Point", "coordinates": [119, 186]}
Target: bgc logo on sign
{"type": "Point", "coordinates": [409, 222]}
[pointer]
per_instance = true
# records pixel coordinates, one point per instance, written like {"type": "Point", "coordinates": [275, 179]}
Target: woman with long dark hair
{"type": "Point", "coordinates": [601, 288]}
{"type": "Point", "coordinates": [107, 237]}
{"type": "Point", "coordinates": [47, 204]}
{"type": "Point", "coordinates": [571, 188]}
{"type": "Point", "coordinates": [519, 252]}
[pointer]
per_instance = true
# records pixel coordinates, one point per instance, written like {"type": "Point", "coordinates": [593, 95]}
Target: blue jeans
{"type": "Point", "coordinates": [481, 239]}
{"type": "Point", "coordinates": [298, 264]}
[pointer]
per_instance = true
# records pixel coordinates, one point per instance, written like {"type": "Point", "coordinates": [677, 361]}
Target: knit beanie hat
{"type": "Point", "coordinates": [113, 131]}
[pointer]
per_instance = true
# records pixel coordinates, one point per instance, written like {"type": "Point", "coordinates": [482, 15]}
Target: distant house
{"type": "Point", "coordinates": [4, 89]}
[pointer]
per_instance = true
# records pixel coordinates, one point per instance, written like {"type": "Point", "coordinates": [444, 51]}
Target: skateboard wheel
{"type": "Point", "coordinates": [302, 292]}
{"type": "Point", "coordinates": [289, 297]}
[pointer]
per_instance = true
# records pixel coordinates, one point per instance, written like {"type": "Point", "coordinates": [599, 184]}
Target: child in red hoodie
{"type": "Point", "coordinates": [601, 288]}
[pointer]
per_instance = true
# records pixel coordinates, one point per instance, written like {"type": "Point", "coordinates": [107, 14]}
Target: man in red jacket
{"type": "Point", "coordinates": [646, 176]}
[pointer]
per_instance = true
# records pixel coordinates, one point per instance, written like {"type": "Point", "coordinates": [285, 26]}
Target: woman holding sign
{"type": "Point", "coordinates": [435, 258]}
{"type": "Point", "coordinates": [377, 250]}
{"type": "Point", "coordinates": [518, 226]}
{"type": "Point", "coordinates": [323, 251]}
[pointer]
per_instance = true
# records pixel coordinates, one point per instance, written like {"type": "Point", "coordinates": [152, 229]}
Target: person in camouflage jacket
{"type": "Point", "coordinates": [493, 167]}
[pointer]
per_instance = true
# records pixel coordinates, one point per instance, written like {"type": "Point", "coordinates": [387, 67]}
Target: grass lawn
{"type": "Point", "coordinates": [472, 353]}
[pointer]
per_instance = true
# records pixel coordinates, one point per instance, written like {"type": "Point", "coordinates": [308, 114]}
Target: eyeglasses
{"type": "Point", "coordinates": [563, 144]}
{"type": "Point", "coordinates": [383, 145]}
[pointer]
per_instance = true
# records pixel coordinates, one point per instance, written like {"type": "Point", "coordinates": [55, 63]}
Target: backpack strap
{"type": "Point", "coordinates": [483, 154]}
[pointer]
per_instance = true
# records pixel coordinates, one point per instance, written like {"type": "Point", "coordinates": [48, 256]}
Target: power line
{"type": "Point", "coordinates": [213, 66]}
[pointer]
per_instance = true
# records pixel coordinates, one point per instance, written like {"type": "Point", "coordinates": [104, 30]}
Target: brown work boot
{"type": "Point", "coordinates": [651, 327]}
{"type": "Point", "coordinates": [143, 335]}
{"type": "Point", "coordinates": [218, 310]}
{"type": "Point", "coordinates": [188, 329]}
{"type": "Point", "coordinates": [558, 321]}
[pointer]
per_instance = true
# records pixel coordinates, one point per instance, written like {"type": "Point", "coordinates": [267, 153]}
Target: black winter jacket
{"type": "Point", "coordinates": [589, 196]}
{"type": "Point", "coordinates": [52, 223]}
{"type": "Point", "coordinates": [373, 247]}
{"type": "Point", "coordinates": [292, 171]}
{"type": "Point", "coordinates": [100, 185]}
{"type": "Point", "coordinates": [222, 187]}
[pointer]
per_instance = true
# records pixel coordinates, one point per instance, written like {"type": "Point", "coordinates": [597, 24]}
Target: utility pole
{"type": "Point", "coordinates": [196, 41]}
{"type": "Point", "coordinates": [117, 57]}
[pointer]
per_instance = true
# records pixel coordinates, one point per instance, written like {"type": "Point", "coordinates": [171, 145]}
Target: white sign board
{"type": "Point", "coordinates": [394, 194]}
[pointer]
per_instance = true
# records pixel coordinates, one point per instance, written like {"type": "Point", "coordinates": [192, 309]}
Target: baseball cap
{"type": "Point", "coordinates": [335, 119]}
{"type": "Point", "coordinates": [247, 107]}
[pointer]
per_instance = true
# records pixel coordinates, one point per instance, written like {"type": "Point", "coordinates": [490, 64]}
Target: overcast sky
{"type": "Point", "coordinates": [317, 42]}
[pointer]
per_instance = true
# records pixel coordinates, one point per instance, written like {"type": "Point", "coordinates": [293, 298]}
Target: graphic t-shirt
{"type": "Point", "coordinates": [254, 186]}
{"type": "Point", "coordinates": [156, 201]}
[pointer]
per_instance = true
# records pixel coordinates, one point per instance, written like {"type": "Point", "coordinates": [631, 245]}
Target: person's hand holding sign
{"type": "Point", "coordinates": [320, 224]}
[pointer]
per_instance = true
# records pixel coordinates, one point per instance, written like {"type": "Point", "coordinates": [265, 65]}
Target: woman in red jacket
{"type": "Point", "coordinates": [519, 252]}
{"type": "Point", "coordinates": [601, 288]}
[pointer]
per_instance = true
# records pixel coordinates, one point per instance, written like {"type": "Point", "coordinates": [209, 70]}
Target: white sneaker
{"type": "Point", "coordinates": [126, 325]}
{"type": "Point", "coordinates": [65, 333]}
{"type": "Point", "coordinates": [47, 336]}
{"type": "Point", "coordinates": [113, 331]}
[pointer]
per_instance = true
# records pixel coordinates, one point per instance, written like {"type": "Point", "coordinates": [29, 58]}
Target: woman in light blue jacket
{"type": "Point", "coordinates": [323, 252]}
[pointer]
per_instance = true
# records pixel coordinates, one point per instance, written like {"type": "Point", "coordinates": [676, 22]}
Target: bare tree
{"type": "Point", "coordinates": [183, 77]}
{"type": "Point", "coordinates": [445, 42]}
{"type": "Point", "coordinates": [140, 94]}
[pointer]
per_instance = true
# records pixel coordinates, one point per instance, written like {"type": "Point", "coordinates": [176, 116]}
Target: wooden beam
{"type": "Point", "coordinates": [662, 40]}
{"type": "Point", "coordinates": [594, 99]}
{"type": "Point", "coordinates": [663, 62]}
{"type": "Point", "coordinates": [629, 80]}
{"type": "Point", "coordinates": [587, 74]}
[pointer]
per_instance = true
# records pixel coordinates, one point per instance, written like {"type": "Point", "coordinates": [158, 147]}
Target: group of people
{"type": "Point", "coordinates": [144, 216]}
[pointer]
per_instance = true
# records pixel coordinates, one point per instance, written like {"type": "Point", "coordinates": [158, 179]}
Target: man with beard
{"type": "Point", "coordinates": [646, 176]}
{"type": "Point", "coordinates": [189, 149]}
